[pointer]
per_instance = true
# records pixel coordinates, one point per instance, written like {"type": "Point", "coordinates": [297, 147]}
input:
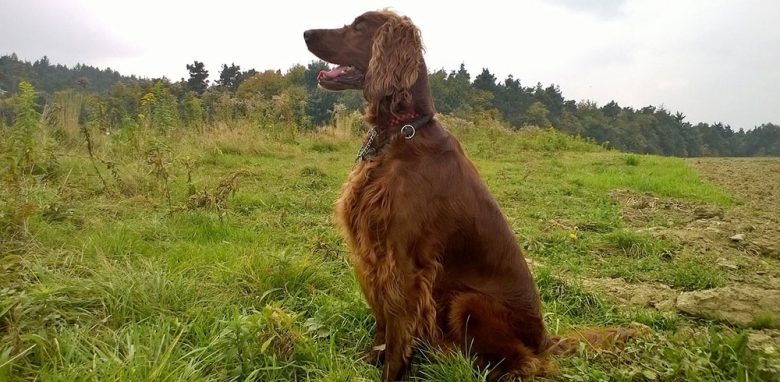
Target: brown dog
{"type": "Point", "coordinates": [434, 255]}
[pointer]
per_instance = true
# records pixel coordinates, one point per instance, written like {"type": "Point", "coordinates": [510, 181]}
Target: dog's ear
{"type": "Point", "coordinates": [396, 56]}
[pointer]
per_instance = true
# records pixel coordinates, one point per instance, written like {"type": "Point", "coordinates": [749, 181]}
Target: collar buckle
{"type": "Point", "coordinates": [408, 131]}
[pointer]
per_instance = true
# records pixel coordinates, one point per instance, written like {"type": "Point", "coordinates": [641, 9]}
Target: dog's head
{"type": "Point", "coordinates": [380, 53]}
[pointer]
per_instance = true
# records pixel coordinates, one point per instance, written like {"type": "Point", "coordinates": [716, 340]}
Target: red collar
{"type": "Point", "coordinates": [405, 125]}
{"type": "Point", "coordinates": [403, 119]}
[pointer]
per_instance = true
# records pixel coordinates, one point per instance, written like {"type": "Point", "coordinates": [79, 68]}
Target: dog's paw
{"type": "Point", "coordinates": [375, 356]}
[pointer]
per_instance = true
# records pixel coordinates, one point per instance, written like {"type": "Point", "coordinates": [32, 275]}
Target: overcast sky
{"type": "Point", "coordinates": [713, 60]}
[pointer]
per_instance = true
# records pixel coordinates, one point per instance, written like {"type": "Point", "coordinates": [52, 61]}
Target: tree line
{"type": "Point", "coordinates": [648, 130]}
{"type": "Point", "coordinates": [292, 97]}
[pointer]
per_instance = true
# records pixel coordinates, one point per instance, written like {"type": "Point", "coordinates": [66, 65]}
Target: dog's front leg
{"type": "Point", "coordinates": [410, 311]}
{"type": "Point", "coordinates": [366, 269]}
{"type": "Point", "coordinates": [398, 348]}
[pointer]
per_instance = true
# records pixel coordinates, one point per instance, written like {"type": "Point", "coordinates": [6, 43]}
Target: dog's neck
{"type": "Point", "coordinates": [407, 128]}
{"type": "Point", "coordinates": [421, 105]}
{"type": "Point", "coordinates": [402, 122]}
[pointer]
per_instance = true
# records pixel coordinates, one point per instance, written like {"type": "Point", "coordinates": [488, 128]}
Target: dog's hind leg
{"type": "Point", "coordinates": [501, 339]}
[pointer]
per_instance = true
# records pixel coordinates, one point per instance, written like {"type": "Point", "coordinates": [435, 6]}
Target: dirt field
{"type": "Point", "coordinates": [742, 239]}
{"type": "Point", "coordinates": [755, 186]}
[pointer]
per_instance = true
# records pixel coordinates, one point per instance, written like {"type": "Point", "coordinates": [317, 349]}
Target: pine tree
{"type": "Point", "coordinates": [198, 77]}
{"type": "Point", "coordinates": [230, 77]}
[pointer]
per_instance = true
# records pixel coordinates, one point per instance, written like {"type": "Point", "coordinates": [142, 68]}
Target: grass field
{"type": "Point", "coordinates": [213, 256]}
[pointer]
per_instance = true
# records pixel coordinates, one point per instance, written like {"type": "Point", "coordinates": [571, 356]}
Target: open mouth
{"type": "Point", "coordinates": [340, 78]}
{"type": "Point", "coordinates": [335, 73]}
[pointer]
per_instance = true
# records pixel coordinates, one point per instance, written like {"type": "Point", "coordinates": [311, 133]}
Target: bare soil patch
{"type": "Point", "coordinates": [742, 239]}
{"type": "Point", "coordinates": [755, 186]}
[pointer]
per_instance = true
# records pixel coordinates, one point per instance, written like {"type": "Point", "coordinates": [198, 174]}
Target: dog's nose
{"type": "Point", "coordinates": [307, 35]}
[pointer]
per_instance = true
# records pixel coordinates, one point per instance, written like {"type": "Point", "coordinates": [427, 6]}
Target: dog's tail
{"type": "Point", "coordinates": [592, 338]}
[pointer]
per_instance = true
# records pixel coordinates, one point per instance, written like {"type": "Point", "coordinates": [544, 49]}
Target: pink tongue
{"type": "Point", "coordinates": [331, 74]}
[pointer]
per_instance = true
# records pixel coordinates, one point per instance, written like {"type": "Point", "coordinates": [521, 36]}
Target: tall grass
{"type": "Point", "coordinates": [65, 111]}
{"type": "Point", "coordinates": [140, 284]}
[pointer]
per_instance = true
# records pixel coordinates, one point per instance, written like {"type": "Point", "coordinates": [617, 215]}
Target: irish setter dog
{"type": "Point", "coordinates": [432, 251]}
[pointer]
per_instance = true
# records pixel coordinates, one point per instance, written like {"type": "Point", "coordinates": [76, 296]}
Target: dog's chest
{"type": "Point", "coordinates": [364, 211]}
